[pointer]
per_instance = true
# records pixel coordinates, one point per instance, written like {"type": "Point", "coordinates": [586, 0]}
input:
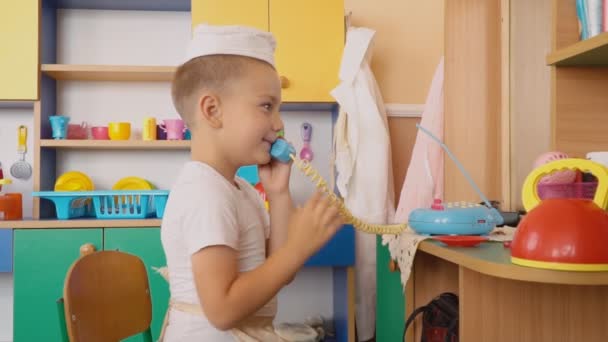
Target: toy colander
{"type": "Point", "coordinates": [563, 233]}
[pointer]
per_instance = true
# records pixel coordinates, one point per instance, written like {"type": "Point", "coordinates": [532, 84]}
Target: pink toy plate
{"type": "Point", "coordinates": [461, 240]}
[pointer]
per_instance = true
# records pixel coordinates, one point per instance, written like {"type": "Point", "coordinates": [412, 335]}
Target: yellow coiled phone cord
{"type": "Point", "coordinates": [321, 184]}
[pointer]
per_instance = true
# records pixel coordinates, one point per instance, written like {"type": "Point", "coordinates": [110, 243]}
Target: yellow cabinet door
{"type": "Point", "coordinates": [231, 12]}
{"type": "Point", "coordinates": [19, 50]}
{"type": "Point", "coordinates": [310, 41]}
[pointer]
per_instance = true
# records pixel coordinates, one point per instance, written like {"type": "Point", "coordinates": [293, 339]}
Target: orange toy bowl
{"type": "Point", "coordinates": [563, 234]}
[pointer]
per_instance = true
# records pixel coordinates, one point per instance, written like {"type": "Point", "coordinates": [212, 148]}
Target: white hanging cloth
{"type": "Point", "coordinates": [363, 164]}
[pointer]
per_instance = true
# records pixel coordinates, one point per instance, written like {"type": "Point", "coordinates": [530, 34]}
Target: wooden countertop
{"type": "Point", "coordinates": [91, 223]}
{"type": "Point", "coordinates": [493, 259]}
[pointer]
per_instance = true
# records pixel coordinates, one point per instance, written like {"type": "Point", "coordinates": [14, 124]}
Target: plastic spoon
{"type": "Point", "coordinates": [306, 152]}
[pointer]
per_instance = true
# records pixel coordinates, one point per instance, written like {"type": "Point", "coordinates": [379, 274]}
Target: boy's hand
{"type": "Point", "coordinates": [313, 225]}
{"type": "Point", "coordinates": [275, 177]}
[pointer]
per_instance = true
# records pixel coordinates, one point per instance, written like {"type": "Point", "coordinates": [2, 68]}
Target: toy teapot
{"type": "Point", "coordinates": [563, 233]}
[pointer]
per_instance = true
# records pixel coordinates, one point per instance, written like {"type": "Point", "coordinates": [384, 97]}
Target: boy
{"type": "Point", "coordinates": [226, 258]}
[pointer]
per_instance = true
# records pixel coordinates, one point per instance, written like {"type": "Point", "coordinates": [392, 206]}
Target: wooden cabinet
{"type": "Point", "coordinates": [19, 57]}
{"type": "Point", "coordinates": [390, 301]}
{"type": "Point", "coordinates": [145, 243]}
{"type": "Point", "coordinates": [230, 12]}
{"type": "Point", "coordinates": [579, 84]}
{"type": "Point", "coordinates": [310, 39]}
{"type": "Point", "coordinates": [42, 259]}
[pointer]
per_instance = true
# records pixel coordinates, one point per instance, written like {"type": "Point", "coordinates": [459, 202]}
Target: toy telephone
{"type": "Point", "coordinates": [284, 152]}
{"type": "Point", "coordinates": [459, 218]}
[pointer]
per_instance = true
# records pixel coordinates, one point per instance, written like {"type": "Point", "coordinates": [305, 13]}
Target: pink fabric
{"type": "Point", "coordinates": [424, 177]}
{"type": "Point", "coordinates": [423, 180]}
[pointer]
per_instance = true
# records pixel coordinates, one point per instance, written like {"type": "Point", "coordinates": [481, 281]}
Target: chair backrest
{"type": "Point", "coordinates": [107, 297]}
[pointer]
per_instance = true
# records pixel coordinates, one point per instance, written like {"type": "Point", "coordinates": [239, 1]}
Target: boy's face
{"type": "Point", "coordinates": [251, 115]}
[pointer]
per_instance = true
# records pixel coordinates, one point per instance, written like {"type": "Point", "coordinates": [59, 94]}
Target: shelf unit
{"type": "Point", "coordinates": [579, 84]}
{"type": "Point", "coordinates": [116, 144]}
{"type": "Point", "coordinates": [121, 73]}
{"type": "Point", "coordinates": [46, 150]}
{"type": "Point", "coordinates": [589, 52]}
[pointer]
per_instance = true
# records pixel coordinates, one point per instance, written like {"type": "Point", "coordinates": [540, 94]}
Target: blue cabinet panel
{"type": "Point", "coordinates": [6, 250]}
{"type": "Point", "coordinates": [338, 252]}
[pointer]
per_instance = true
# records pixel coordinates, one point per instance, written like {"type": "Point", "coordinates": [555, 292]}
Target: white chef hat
{"type": "Point", "coordinates": [231, 40]}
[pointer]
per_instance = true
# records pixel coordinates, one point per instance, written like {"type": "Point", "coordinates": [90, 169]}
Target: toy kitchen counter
{"type": "Point", "coordinates": [500, 301]}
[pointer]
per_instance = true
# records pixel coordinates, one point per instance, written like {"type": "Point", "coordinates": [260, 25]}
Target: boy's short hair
{"type": "Point", "coordinates": [213, 72]}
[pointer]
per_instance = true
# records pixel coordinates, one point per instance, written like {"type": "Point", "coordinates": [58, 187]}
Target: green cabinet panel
{"type": "Point", "coordinates": [42, 259]}
{"type": "Point", "coordinates": [390, 301]}
{"type": "Point", "coordinates": [144, 243]}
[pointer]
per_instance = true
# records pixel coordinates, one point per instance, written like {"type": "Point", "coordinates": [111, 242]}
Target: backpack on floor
{"type": "Point", "coordinates": [439, 319]}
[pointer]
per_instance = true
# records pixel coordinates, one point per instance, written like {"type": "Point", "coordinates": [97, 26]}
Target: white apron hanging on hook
{"type": "Point", "coordinates": [363, 164]}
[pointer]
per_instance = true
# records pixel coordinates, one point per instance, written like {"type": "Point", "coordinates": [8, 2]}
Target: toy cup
{"type": "Point", "coordinates": [174, 128]}
{"type": "Point", "coordinates": [100, 133]}
{"type": "Point", "coordinates": [161, 133]}
{"type": "Point", "coordinates": [59, 126]}
{"type": "Point", "coordinates": [76, 131]}
{"type": "Point", "coordinates": [119, 130]}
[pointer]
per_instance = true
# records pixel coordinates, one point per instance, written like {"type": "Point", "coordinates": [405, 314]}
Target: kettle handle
{"type": "Point", "coordinates": [530, 196]}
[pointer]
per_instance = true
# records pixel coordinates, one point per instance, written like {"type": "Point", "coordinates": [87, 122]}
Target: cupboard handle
{"type": "Point", "coordinates": [284, 82]}
{"type": "Point", "coordinates": [86, 249]}
{"type": "Point", "coordinates": [393, 266]}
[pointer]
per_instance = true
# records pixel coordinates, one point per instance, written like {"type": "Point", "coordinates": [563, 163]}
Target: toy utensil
{"type": "Point", "coordinates": [21, 169]}
{"type": "Point", "coordinates": [306, 152]}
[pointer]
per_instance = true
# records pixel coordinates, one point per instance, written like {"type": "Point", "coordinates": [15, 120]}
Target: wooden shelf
{"type": "Point", "coordinates": [117, 144]}
{"type": "Point", "coordinates": [121, 73]}
{"type": "Point", "coordinates": [92, 223]}
{"type": "Point", "coordinates": [588, 52]}
{"type": "Point", "coordinates": [492, 259]}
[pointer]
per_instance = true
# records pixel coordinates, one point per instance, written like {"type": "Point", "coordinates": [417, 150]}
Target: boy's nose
{"type": "Point", "coordinates": [277, 122]}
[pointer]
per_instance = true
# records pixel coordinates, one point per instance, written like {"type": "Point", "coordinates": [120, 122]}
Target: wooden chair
{"type": "Point", "coordinates": [106, 297]}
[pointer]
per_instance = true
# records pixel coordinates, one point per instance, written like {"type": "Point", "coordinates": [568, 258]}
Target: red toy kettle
{"type": "Point", "coordinates": [563, 233]}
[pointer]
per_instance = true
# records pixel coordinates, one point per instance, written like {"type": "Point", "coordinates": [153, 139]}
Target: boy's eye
{"type": "Point", "coordinates": [267, 106]}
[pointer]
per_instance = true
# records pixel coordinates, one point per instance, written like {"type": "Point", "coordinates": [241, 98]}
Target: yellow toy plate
{"type": "Point", "coordinates": [132, 183]}
{"type": "Point", "coordinates": [530, 196]}
{"type": "Point", "coordinates": [74, 181]}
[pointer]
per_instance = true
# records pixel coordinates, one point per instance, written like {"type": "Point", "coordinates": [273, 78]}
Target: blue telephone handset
{"type": "Point", "coordinates": [282, 150]}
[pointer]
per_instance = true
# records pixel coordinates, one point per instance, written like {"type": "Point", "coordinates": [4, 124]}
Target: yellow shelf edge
{"type": "Point", "coordinates": [577, 49]}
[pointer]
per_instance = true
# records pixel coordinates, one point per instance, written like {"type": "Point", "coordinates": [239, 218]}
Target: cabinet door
{"type": "Point", "coordinates": [144, 243]}
{"type": "Point", "coordinates": [310, 41]}
{"type": "Point", "coordinates": [231, 12]}
{"type": "Point", "coordinates": [42, 259]}
{"type": "Point", "coordinates": [390, 302]}
{"type": "Point", "coordinates": [19, 56]}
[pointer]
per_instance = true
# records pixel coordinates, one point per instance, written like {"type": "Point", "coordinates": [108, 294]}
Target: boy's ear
{"type": "Point", "coordinates": [210, 110]}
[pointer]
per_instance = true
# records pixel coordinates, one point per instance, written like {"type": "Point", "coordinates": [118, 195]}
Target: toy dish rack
{"type": "Point", "coordinates": [110, 204]}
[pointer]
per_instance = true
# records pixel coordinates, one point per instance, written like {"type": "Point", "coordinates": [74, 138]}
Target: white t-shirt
{"type": "Point", "coordinates": [204, 209]}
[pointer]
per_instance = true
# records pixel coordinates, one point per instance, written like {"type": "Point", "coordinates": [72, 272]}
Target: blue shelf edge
{"type": "Point", "coordinates": [121, 5]}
